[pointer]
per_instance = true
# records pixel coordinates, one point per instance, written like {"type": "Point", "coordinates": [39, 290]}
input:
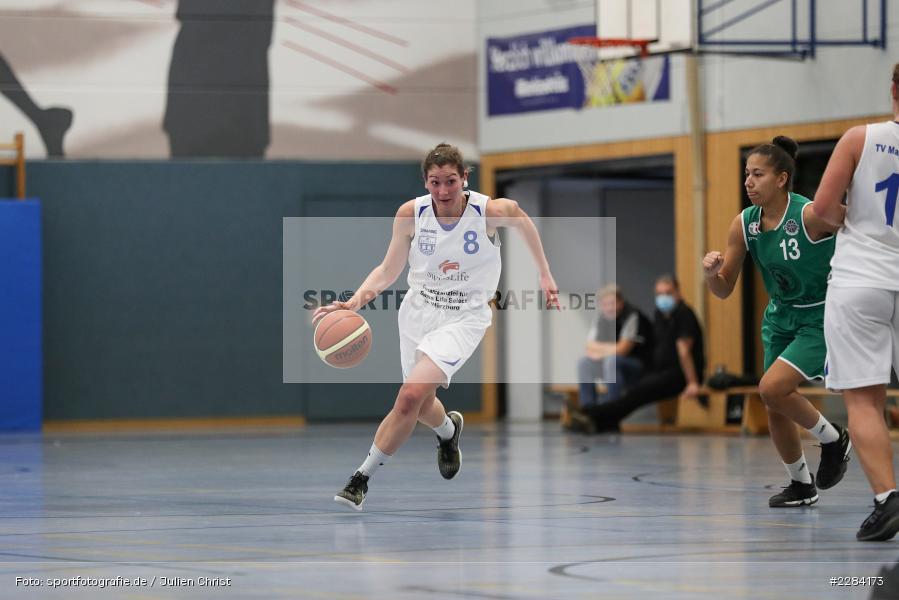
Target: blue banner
{"type": "Point", "coordinates": [534, 72]}
{"type": "Point", "coordinates": [541, 71]}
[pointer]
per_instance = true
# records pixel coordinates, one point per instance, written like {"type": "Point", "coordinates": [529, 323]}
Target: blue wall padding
{"type": "Point", "coordinates": [21, 382]}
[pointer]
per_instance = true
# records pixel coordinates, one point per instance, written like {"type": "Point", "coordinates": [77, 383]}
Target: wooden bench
{"type": "Point", "coordinates": [708, 412]}
{"type": "Point", "coordinates": [755, 417]}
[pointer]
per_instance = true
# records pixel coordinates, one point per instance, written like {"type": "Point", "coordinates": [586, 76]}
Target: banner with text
{"type": "Point", "coordinates": [540, 71]}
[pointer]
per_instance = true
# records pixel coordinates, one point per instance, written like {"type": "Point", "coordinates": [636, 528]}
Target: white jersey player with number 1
{"type": "Point", "coordinates": [861, 313]}
{"type": "Point", "coordinates": [448, 237]}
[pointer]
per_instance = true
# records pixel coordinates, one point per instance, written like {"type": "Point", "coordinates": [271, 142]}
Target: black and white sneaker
{"type": "Point", "coordinates": [353, 494]}
{"type": "Point", "coordinates": [882, 524]}
{"type": "Point", "coordinates": [795, 494]}
{"type": "Point", "coordinates": [834, 460]}
{"type": "Point", "coordinates": [449, 457]}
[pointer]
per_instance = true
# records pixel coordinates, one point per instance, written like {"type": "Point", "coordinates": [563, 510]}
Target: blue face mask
{"type": "Point", "coordinates": [665, 302]}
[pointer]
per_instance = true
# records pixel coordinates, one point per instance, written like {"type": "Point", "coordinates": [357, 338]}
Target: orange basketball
{"type": "Point", "coordinates": [342, 339]}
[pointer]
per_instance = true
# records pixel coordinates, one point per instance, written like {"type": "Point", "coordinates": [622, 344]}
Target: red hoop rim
{"type": "Point", "coordinates": [638, 44]}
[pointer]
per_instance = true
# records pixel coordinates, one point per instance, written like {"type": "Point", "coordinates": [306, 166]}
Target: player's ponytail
{"type": "Point", "coordinates": [788, 145]}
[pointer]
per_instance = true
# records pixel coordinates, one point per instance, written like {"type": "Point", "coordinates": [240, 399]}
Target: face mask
{"type": "Point", "coordinates": [665, 302]}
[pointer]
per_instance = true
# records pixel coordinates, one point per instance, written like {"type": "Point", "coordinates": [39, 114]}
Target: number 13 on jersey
{"type": "Point", "coordinates": [790, 248]}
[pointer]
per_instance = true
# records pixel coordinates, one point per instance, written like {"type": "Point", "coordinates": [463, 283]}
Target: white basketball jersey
{"type": "Point", "coordinates": [453, 268]}
{"type": "Point", "coordinates": [867, 248]}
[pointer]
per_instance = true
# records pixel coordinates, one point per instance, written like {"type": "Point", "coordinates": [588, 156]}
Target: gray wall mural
{"type": "Point", "coordinates": [52, 123]}
{"type": "Point", "coordinates": [218, 93]}
{"type": "Point", "coordinates": [286, 79]}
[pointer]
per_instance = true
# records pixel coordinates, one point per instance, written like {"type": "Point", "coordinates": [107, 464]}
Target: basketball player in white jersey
{"type": "Point", "coordinates": [448, 236]}
{"type": "Point", "coordinates": [861, 314]}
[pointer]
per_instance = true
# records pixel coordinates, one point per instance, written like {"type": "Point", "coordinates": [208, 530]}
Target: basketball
{"type": "Point", "coordinates": [342, 339]}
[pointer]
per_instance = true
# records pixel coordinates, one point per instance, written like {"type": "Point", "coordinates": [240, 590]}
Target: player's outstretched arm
{"type": "Point", "coordinates": [503, 212]}
{"type": "Point", "coordinates": [721, 272]}
{"type": "Point", "coordinates": [828, 203]}
{"type": "Point", "coordinates": [385, 273]}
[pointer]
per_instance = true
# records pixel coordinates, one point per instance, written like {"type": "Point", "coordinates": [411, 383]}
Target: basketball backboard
{"type": "Point", "coordinates": [668, 23]}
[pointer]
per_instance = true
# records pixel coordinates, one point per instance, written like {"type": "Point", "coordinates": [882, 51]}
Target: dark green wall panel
{"type": "Point", "coordinates": [162, 284]}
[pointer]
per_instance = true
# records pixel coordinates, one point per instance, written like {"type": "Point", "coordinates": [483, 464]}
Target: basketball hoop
{"type": "Point", "coordinates": [639, 46]}
{"type": "Point", "coordinates": [600, 77]}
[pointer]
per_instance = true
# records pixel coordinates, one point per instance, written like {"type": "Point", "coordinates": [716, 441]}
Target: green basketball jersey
{"type": "Point", "coordinates": [793, 267]}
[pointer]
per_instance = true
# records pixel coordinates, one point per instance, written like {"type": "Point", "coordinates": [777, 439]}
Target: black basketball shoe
{"type": "Point", "coordinates": [882, 524]}
{"type": "Point", "coordinates": [795, 494]}
{"type": "Point", "coordinates": [449, 457]}
{"type": "Point", "coordinates": [834, 459]}
{"type": "Point", "coordinates": [353, 494]}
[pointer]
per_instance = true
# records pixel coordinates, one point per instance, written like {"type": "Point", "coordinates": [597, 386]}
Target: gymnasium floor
{"type": "Point", "coordinates": [533, 514]}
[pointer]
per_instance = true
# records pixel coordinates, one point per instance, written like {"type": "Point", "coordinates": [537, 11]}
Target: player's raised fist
{"type": "Point", "coordinates": [712, 263]}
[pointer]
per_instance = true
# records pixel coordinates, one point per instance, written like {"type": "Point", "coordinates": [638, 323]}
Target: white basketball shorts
{"type": "Point", "coordinates": [861, 328]}
{"type": "Point", "coordinates": [448, 338]}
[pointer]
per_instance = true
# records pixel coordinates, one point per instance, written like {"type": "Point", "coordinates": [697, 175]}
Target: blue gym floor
{"type": "Point", "coordinates": [534, 513]}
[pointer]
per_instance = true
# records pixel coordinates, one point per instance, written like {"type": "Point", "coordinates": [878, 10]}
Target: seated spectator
{"type": "Point", "coordinates": [678, 360]}
{"type": "Point", "coordinates": [618, 348]}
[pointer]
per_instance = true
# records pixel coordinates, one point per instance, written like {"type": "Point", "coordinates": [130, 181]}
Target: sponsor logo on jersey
{"type": "Point", "coordinates": [426, 243]}
{"type": "Point", "coordinates": [449, 266]}
{"type": "Point", "coordinates": [754, 228]}
{"type": "Point", "coordinates": [458, 276]}
{"type": "Point", "coordinates": [450, 270]}
{"type": "Point", "coordinates": [791, 227]}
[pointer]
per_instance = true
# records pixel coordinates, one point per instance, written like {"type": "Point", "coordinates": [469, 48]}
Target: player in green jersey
{"type": "Point", "coordinates": [792, 248]}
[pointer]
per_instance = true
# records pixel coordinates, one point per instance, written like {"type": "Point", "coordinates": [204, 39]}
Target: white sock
{"type": "Point", "coordinates": [824, 430]}
{"type": "Point", "coordinates": [798, 471]}
{"type": "Point", "coordinates": [880, 498]}
{"type": "Point", "coordinates": [445, 430]}
{"type": "Point", "coordinates": [375, 459]}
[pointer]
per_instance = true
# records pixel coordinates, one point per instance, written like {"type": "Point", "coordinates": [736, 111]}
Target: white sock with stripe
{"type": "Point", "coordinates": [798, 471]}
{"type": "Point", "coordinates": [375, 459]}
{"type": "Point", "coordinates": [445, 430]}
{"type": "Point", "coordinates": [824, 430]}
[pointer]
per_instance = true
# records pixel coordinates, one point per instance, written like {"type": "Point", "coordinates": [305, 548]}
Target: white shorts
{"type": "Point", "coordinates": [861, 328]}
{"type": "Point", "coordinates": [448, 338]}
